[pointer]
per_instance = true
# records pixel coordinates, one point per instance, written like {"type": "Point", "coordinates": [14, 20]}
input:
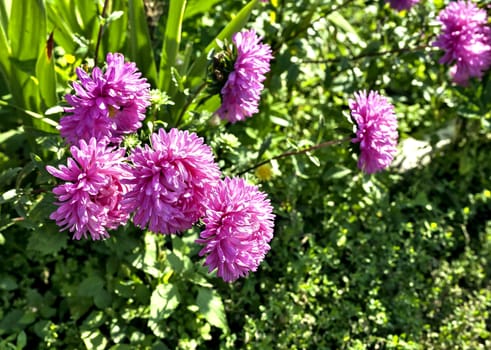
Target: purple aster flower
{"type": "Point", "coordinates": [400, 5]}
{"type": "Point", "coordinates": [466, 40]}
{"type": "Point", "coordinates": [242, 90]}
{"type": "Point", "coordinates": [239, 226]}
{"type": "Point", "coordinates": [91, 198]}
{"type": "Point", "coordinates": [376, 130]}
{"type": "Point", "coordinates": [170, 181]}
{"type": "Point", "coordinates": [106, 104]}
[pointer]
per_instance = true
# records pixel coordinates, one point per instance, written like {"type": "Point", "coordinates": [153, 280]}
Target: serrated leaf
{"type": "Point", "coordinates": [211, 306]}
{"type": "Point", "coordinates": [47, 241]}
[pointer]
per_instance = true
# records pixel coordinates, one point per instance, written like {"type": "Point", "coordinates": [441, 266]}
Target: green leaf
{"type": "Point", "coordinates": [4, 46]}
{"type": "Point", "coordinates": [338, 20]}
{"type": "Point", "coordinates": [38, 119]}
{"type": "Point", "coordinates": [264, 147]}
{"type": "Point", "coordinates": [338, 172]}
{"type": "Point", "coordinates": [7, 282]}
{"type": "Point", "coordinates": [139, 41]}
{"type": "Point", "coordinates": [90, 286]}
{"type": "Point", "coordinates": [9, 175]}
{"type": "Point", "coordinates": [47, 241]}
{"type": "Point", "coordinates": [170, 47]}
{"type": "Point", "coordinates": [114, 16]}
{"type": "Point", "coordinates": [150, 263]}
{"type": "Point", "coordinates": [102, 299]}
{"type": "Point", "coordinates": [175, 262]}
{"type": "Point", "coordinates": [313, 159]}
{"type": "Point", "coordinates": [8, 196]}
{"type": "Point", "coordinates": [5, 14]}
{"type": "Point", "coordinates": [93, 321]}
{"type": "Point", "coordinates": [115, 29]}
{"type": "Point", "coordinates": [211, 306]}
{"type": "Point", "coordinates": [93, 339]}
{"type": "Point", "coordinates": [27, 28]}
{"type": "Point", "coordinates": [73, 31]}
{"type": "Point", "coordinates": [280, 121]}
{"type": "Point", "coordinates": [198, 6]}
{"type": "Point", "coordinates": [45, 73]}
{"type": "Point", "coordinates": [21, 340]}
{"type": "Point", "coordinates": [164, 300]}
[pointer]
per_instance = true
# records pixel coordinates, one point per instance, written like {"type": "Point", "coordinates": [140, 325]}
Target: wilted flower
{"type": "Point", "coordinates": [376, 130]}
{"type": "Point", "coordinates": [106, 104]}
{"type": "Point", "coordinates": [466, 40]}
{"type": "Point", "coordinates": [400, 5]}
{"type": "Point", "coordinates": [239, 226]}
{"type": "Point", "coordinates": [91, 198]}
{"type": "Point", "coordinates": [242, 90]}
{"type": "Point", "coordinates": [170, 179]}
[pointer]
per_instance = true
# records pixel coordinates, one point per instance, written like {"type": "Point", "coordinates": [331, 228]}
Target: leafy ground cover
{"type": "Point", "coordinates": [398, 260]}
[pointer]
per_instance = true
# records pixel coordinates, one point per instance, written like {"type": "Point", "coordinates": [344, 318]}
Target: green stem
{"type": "Point", "coordinates": [189, 102]}
{"type": "Point", "coordinates": [370, 54]}
{"type": "Point", "coordinates": [101, 30]}
{"type": "Point", "coordinates": [294, 153]}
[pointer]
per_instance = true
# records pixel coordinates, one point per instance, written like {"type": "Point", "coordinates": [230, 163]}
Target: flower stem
{"type": "Point", "coordinates": [101, 30]}
{"type": "Point", "coordinates": [370, 54]}
{"type": "Point", "coordinates": [294, 153]}
{"type": "Point", "coordinates": [189, 101]}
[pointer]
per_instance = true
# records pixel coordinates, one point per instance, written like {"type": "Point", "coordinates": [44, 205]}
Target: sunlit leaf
{"type": "Point", "coordinates": [211, 306]}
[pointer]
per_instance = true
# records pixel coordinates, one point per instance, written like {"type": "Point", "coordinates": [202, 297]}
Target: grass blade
{"type": "Point", "coordinates": [170, 47]}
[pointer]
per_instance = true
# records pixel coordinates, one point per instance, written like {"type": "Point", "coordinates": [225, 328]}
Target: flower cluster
{"type": "Point", "coordinates": [239, 227]}
{"type": "Point", "coordinates": [106, 104]}
{"type": "Point", "coordinates": [166, 186]}
{"type": "Point", "coordinates": [466, 40]}
{"type": "Point", "coordinates": [173, 182]}
{"type": "Point", "coordinates": [375, 129]}
{"type": "Point", "coordinates": [400, 5]}
{"type": "Point", "coordinates": [242, 90]}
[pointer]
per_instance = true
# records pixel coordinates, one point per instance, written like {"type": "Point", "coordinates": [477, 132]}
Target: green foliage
{"type": "Point", "coordinates": [398, 260]}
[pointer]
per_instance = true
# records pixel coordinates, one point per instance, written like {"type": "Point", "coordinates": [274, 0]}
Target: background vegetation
{"type": "Point", "coordinates": [397, 260]}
